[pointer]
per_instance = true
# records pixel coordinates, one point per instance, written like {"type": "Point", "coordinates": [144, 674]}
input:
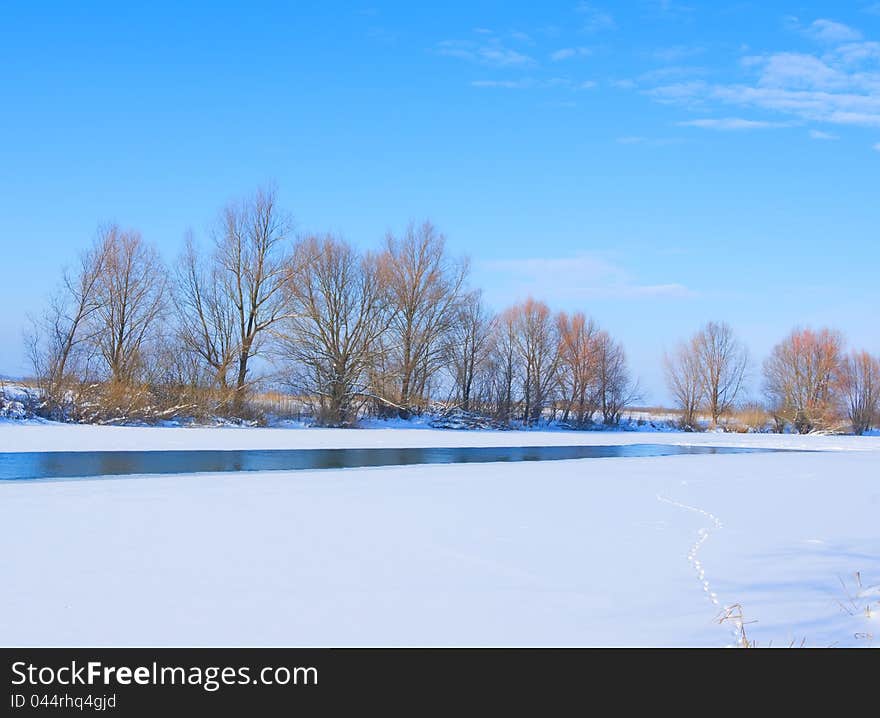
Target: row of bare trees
{"type": "Point", "coordinates": [100, 323]}
{"type": "Point", "coordinates": [810, 383]}
{"type": "Point", "coordinates": [124, 334]}
{"type": "Point", "coordinates": [346, 331]}
{"type": "Point", "coordinates": [387, 332]}
{"type": "Point", "coordinates": [527, 363]}
{"type": "Point", "coordinates": [396, 329]}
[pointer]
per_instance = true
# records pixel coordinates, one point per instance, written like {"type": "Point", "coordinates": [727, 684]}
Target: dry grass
{"type": "Point", "coordinates": [858, 604]}
{"type": "Point", "coordinates": [283, 406]}
{"type": "Point", "coordinates": [751, 417]}
{"type": "Point", "coordinates": [733, 614]}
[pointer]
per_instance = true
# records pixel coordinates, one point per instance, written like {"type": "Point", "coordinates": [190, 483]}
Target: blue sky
{"type": "Point", "coordinates": [656, 164]}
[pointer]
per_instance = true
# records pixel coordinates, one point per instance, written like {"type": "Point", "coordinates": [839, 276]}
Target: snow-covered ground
{"type": "Point", "coordinates": [619, 551]}
{"type": "Point", "coordinates": [50, 436]}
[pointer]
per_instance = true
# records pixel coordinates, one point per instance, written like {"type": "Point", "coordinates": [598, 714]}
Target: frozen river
{"type": "Point", "coordinates": [82, 464]}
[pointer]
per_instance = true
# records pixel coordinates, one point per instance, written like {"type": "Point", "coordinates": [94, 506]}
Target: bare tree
{"type": "Point", "coordinates": [616, 388]}
{"type": "Point", "coordinates": [423, 286]}
{"type": "Point", "coordinates": [468, 345]}
{"type": "Point", "coordinates": [129, 295]}
{"type": "Point", "coordinates": [332, 330]}
{"type": "Point", "coordinates": [800, 378]}
{"type": "Point", "coordinates": [861, 390]}
{"type": "Point", "coordinates": [207, 315]}
{"type": "Point", "coordinates": [578, 365]}
{"type": "Point", "coordinates": [537, 343]}
{"type": "Point", "coordinates": [251, 270]}
{"type": "Point", "coordinates": [722, 361]}
{"type": "Point", "coordinates": [65, 325]}
{"type": "Point", "coordinates": [685, 382]}
{"type": "Point", "coordinates": [503, 363]}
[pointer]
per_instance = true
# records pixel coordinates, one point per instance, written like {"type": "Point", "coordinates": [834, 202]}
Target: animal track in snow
{"type": "Point", "coordinates": [693, 554]}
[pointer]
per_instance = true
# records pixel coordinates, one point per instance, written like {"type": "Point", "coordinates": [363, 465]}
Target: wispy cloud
{"type": "Point", "coordinates": [794, 70]}
{"type": "Point", "coordinates": [820, 135]}
{"type": "Point", "coordinates": [669, 8]}
{"type": "Point", "coordinates": [731, 123]}
{"type": "Point", "coordinates": [492, 52]}
{"type": "Point", "coordinates": [824, 30]}
{"type": "Point", "coordinates": [595, 19]}
{"type": "Point", "coordinates": [504, 84]}
{"type": "Point", "coordinates": [652, 141]}
{"type": "Point", "coordinates": [838, 85]}
{"type": "Point", "coordinates": [582, 276]}
{"type": "Point", "coordinates": [567, 53]}
{"type": "Point", "coordinates": [652, 291]}
{"type": "Point", "coordinates": [539, 83]}
{"type": "Point", "coordinates": [676, 53]}
{"type": "Point", "coordinates": [683, 93]}
{"type": "Point", "coordinates": [854, 53]}
{"type": "Point", "coordinates": [669, 73]}
{"type": "Point", "coordinates": [877, 146]}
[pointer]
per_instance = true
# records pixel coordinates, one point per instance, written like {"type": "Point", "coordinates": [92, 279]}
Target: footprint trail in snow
{"type": "Point", "coordinates": [693, 554]}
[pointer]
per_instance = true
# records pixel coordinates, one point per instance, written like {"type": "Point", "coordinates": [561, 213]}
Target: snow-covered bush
{"type": "Point", "coordinates": [17, 402]}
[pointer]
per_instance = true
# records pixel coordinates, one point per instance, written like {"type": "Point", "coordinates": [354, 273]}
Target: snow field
{"type": "Point", "coordinates": [591, 552]}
